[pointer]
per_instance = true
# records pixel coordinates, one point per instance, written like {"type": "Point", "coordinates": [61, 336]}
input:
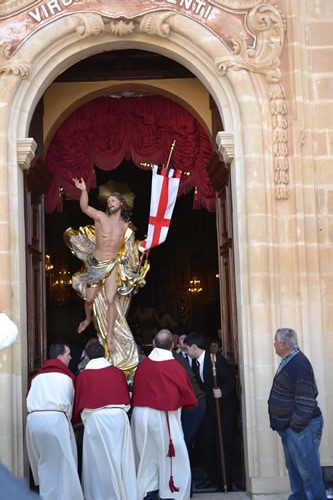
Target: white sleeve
{"type": "Point", "coordinates": [8, 331]}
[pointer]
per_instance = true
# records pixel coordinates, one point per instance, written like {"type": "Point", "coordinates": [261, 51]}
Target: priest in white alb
{"type": "Point", "coordinates": [50, 437]}
{"type": "Point", "coordinates": [161, 388]}
{"type": "Point", "coordinates": [102, 400]}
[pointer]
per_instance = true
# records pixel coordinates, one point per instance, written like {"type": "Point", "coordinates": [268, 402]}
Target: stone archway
{"type": "Point", "coordinates": [245, 84]}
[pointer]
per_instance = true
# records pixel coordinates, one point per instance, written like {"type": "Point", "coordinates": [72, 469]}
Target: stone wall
{"type": "Point", "coordinates": [283, 228]}
{"type": "Point", "coordinates": [308, 75]}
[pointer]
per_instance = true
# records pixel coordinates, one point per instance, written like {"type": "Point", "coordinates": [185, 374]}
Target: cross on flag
{"type": "Point", "coordinates": [164, 189]}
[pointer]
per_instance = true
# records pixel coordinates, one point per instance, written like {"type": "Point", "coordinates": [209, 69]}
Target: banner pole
{"type": "Point", "coordinates": [170, 154]}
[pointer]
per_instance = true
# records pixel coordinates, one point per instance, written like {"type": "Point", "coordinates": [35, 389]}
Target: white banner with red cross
{"type": "Point", "coordinates": [164, 189]}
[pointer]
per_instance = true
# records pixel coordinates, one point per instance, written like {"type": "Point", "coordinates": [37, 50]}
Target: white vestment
{"type": "Point", "coordinates": [151, 446]}
{"type": "Point", "coordinates": [108, 465]}
{"type": "Point", "coordinates": [50, 438]}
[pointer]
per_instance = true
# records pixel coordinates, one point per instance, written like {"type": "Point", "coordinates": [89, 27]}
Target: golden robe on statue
{"type": "Point", "coordinates": [130, 278]}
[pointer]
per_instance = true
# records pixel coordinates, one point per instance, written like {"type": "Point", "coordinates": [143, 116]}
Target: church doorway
{"type": "Point", "coordinates": [195, 256]}
{"type": "Point", "coordinates": [190, 255]}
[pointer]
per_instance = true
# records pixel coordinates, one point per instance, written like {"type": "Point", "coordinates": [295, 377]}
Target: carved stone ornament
{"type": "Point", "coordinates": [25, 152]}
{"type": "Point", "coordinates": [122, 27]}
{"type": "Point", "coordinates": [280, 139]}
{"type": "Point", "coordinates": [251, 31]}
{"type": "Point", "coordinates": [89, 24]}
{"type": "Point", "coordinates": [266, 22]}
{"type": "Point", "coordinates": [10, 65]}
{"type": "Point", "coordinates": [153, 24]}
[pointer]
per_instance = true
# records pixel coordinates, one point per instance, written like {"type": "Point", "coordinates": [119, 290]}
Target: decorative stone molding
{"type": "Point", "coordinates": [122, 27]}
{"type": "Point", "coordinates": [89, 24]}
{"type": "Point", "coordinates": [226, 146]}
{"type": "Point", "coordinates": [153, 24]}
{"type": "Point", "coordinates": [253, 39]}
{"type": "Point", "coordinates": [280, 139]}
{"type": "Point", "coordinates": [25, 152]}
{"type": "Point", "coordinates": [266, 22]}
{"type": "Point", "coordinates": [10, 65]}
{"type": "Point", "coordinates": [267, 25]}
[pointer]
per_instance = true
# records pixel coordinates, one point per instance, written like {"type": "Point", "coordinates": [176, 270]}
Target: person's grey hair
{"type": "Point", "coordinates": [288, 336]}
{"type": "Point", "coordinates": [163, 339]}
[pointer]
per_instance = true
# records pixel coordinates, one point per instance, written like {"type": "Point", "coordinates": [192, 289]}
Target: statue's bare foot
{"type": "Point", "coordinates": [83, 325]}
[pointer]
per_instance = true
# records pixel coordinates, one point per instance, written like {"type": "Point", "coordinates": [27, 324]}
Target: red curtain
{"type": "Point", "coordinates": [108, 130]}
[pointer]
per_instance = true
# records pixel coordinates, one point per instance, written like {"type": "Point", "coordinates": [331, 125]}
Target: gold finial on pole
{"type": "Point", "coordinates": [170, 154]}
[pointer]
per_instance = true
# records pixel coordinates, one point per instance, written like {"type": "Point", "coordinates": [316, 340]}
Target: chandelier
{"type": "Point", "coordinates": [48, 264]}
{"type": "Point", "coordinates": [59, 280]}
{"type": "Point", "coordinates": [195, 286]}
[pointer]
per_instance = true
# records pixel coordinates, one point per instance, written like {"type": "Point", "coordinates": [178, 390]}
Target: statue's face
{"type": "Point", "coordinates": [113, 204]}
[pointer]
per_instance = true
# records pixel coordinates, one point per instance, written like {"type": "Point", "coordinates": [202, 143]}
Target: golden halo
{"type": "Point", "coordinates": [112, 186]}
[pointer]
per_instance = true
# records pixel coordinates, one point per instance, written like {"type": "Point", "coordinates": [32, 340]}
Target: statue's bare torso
{"type": "Point", "coordinates": [110, 228]}
{"type": "Point", "coordinates": [109, 232]}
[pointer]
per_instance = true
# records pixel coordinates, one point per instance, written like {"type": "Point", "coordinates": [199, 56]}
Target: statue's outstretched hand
{"type": "Point", "coordinates": [80, 184]}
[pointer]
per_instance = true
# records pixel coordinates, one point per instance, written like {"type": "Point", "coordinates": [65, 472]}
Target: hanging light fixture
{"type": "Point", "coordinates": [60, 286]}
{"type": "Point", "coordinates": [195, 286]}
{"type": "Point", "coordinates": [48, 263]}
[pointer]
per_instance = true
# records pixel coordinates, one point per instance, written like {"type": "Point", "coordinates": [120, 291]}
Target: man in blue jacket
{"type": "Point", "coordinates": [294, 413]}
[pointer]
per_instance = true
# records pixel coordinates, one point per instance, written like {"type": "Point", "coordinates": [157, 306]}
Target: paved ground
{"type": "Point", "coordinates": [218, 496]}
{"type": "Point", "coordinates": [234, 496]}
{"type": "Point", "coordinates": [244, 496]}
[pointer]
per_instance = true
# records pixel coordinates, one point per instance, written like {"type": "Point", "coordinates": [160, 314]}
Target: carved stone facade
{"type": "Point", "coordinates": [268, 67]}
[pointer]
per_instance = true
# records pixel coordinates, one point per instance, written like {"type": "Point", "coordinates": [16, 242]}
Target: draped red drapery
{"type": "Point", "coordinates": [107, 130]}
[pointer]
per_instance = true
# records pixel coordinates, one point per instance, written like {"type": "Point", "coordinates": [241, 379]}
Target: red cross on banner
{"type": "Point", "coordinates": [164, 191]}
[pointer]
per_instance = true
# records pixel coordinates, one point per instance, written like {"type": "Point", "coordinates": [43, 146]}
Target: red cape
{"type": "Point", "coordinates": [99, 387]}
{"type": "Point", "coordinates": [162, 385]}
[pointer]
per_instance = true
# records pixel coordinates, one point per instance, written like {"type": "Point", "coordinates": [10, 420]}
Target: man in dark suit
{"type": "Point", "coordinates": [191, 417]}
{"type": "Point", "coordinates": [220, 391]}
